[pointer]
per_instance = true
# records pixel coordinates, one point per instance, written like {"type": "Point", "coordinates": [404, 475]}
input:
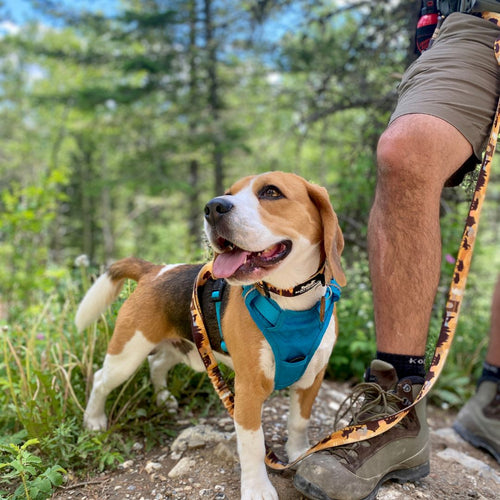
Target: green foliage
{"type": "Point", "coordinates": [26, 218]}
{"type": "Point", "coordinates": [355, 346]}
{"type": "Point", "coordinates": [19, 465]}
{"type": "Point", "coordinates": [45, 370]}
{"type": "Point", "coordinates": [452, 390]}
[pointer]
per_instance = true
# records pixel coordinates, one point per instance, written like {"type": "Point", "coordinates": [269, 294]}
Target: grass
{"type": "Point", "coordinates": [46, 371]}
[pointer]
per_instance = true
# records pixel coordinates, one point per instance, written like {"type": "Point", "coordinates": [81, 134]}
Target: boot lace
{"type": "Point", "coordinates": [368, 401]}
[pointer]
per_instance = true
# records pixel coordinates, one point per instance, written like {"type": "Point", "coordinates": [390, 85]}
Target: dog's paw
{"type": "Point", "coordinates": [166, 400]}
{"type": "Point", "coordinates": [294, 453]}
{"type": "Point", "coordinates": [259, 492]}
{"type": "Point", "coordinates": [98, 423]}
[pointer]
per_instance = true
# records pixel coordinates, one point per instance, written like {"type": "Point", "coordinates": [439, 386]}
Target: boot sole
{"type": "Point", "coordinates": [311, 491]}
{"type": "Point", "coordinates": [475, 440]}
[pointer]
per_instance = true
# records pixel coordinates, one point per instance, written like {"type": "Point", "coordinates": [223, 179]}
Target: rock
{"type": "Point", "coordinates": [183, 467]}
{"type": "Point", "coordinates": [226, 423]}
{"type": "Point", "coordinates": [448, 435]}
{"type": "Point", "coordinates": [151, 467]}
{"type": "Point", "coordinates": [137, 446]}
{"type": "Point", "coordinates": [226, 451]}
{"type": "Point", "coordinates": [199, 436]}
{"type": "Point", "coordinates": [471, 463]}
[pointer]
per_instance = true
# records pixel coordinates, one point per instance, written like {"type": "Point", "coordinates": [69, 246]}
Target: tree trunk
{"type": "Point", "coordinates": [84, 165]}
{"type": "Point", "coordinates": [214, 100]}
{"type": "Point", "coordinates": [107, 225]}
{"type": "Point", "coordinates": [194, 207]}
{"type": "Point", "coordinates": [194, 194]}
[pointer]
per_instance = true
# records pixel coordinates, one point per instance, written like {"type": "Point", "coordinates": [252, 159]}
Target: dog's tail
{"type": "Point", "coordinates": [106, 288]}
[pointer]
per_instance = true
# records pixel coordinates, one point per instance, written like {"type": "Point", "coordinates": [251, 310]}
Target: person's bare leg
{"type": "Point", "coordinates": [493, 354]}
{"type": "Point", "coordinates": [416, 155]}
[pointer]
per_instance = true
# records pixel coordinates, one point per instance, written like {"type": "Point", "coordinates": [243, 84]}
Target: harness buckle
{"type": "Point", "coordinates": [217, 300]}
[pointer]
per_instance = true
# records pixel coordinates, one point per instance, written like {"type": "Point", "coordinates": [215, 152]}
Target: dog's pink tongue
{"type": "Point", "coordinates": [226, 264]}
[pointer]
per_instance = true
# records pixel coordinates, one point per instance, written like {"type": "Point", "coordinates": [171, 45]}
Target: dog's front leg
{"type": "Point", "coordinates": [255, 483]}
{"type": "Point", "coordinates": [301, 402]}
{"type": "Point", "coordinates": [297, 442]}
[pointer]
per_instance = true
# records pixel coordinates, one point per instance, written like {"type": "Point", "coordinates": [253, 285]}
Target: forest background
{"type": "Point", "coordinates": [118, 123]}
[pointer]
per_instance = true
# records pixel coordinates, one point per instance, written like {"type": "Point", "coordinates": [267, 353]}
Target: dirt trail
{"type": "Point", "coordinates": [458, 471]}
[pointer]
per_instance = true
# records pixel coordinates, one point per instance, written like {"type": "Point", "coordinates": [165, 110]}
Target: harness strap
{"type": "Point", "coordinates": [217, 293]}
{"type": "Point", "coordinates": [372, 428]}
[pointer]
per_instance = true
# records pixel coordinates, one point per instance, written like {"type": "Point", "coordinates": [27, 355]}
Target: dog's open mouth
{"type": "Point", "coordinates": [233, 259]}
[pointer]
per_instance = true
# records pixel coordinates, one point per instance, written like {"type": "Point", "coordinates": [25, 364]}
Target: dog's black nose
{"type": "Point", "coordinates": [216, 208]}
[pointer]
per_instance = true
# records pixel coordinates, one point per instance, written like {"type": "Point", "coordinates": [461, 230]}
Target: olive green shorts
{"type": "Point", "coordinates": [456, 79]}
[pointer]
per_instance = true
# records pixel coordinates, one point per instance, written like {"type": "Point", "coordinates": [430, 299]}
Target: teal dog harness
{"type": "Point", "coordinates": [293, 336]}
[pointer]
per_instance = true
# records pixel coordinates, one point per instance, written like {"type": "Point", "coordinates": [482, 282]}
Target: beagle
{"type": "Point", "coordinates": [273, 235]}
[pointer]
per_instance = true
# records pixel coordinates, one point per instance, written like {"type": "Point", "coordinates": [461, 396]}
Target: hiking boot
{"type": "Point", "coordinates": [478, 422]}
{"type": "Point", "coordinates": [356, 471]}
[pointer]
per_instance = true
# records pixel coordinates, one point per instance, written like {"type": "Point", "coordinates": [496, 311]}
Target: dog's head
{"type": "Point", "coordinates": [274, 227]}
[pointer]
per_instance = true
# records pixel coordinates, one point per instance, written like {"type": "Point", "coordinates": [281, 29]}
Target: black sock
{"type": "Point", "coordinates": [405, 366]}
{"type": "Point", "coordinates": [490, 372]}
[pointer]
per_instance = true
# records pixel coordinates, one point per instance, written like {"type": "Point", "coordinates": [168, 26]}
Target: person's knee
{"type": "Point", "coordinates": [420, 150]}
{"type": "Point", "coordinates": [397, 159]}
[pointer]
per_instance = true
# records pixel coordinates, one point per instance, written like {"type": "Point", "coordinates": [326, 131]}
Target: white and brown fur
{"type": "Point", "coordinates": [259, 212]}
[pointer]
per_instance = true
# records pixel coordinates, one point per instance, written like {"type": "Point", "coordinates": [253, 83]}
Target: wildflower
{"type": "Point", "coordinates": [82, 261]}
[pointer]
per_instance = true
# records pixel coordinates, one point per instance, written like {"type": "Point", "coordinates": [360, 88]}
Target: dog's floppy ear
{"type": "Point", "coordinates": [333, 241]}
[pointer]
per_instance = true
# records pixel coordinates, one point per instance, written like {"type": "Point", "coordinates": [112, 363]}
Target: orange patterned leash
{"type": "Point", "coordinates": [369, 429]}
{"type": "Point", "coordinates": [462, 264]}
{"type": "Point", "coordinates": [202, 342]}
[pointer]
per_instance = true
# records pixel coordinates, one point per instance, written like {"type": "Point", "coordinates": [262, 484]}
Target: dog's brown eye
{"type": "Point", "coordinates": [270, 193]}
